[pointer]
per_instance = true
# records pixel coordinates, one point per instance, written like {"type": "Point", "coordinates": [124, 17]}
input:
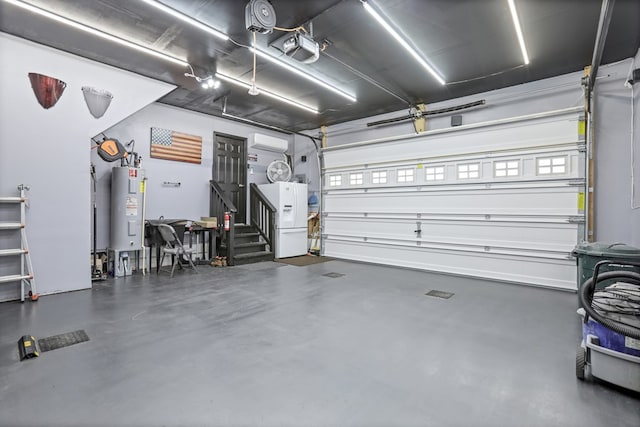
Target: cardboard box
{"type": "Point", "coordinates": [208, 221]}
{"type": "Point", "coordinates": [100, 260]}
{"type": "Point", "coordinates": [98, 263]}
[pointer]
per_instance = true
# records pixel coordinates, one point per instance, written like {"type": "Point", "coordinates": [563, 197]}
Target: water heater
{"type": "Point", "coordinates": [126, 208]}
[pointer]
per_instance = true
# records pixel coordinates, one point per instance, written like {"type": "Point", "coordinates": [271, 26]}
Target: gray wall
{"type": "Point", "coordinates": [191, 199]}
{"type": "Point", "coordinates": [48, 149]}
{"type": "Point", "coordinates": [616, 219]}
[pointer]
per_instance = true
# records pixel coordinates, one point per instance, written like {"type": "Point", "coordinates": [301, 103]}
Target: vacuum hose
{"type": "Point", "coordinates": [585, 295]}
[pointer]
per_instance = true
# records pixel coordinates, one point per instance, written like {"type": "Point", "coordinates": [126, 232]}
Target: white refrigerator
{"type": "Point", "coordinates": [290, 200]}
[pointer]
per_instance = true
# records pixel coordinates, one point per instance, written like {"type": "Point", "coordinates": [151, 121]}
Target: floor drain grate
{"type": "Point", "coordinates": [62, 340]}
{"type": "Point", "coordinates": [440, 294]}
{"type": "Point", "coordinates": [333, 275]}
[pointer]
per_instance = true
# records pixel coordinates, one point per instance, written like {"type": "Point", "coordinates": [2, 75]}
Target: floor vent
{"type": "Point", "coordinates": [440, 294]}
{"type": "Point", "coordinates": [333, 275]}
{"type": "Point", "coordinates": [62, 340]}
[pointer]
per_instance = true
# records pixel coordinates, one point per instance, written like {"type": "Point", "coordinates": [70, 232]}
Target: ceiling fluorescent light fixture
{"type": "Point", "coordinates": [307, 76]}
{"type": "Point", "coordinates": [90, 30]}
{"type": "Point", "coordinates": [266, 93]}
{"type": "Point", "coordinates": [402, 42]}
{"type": "Point", "coordinates": [187, 19]}
{"type": "Point", "coordinates": [516, 23]}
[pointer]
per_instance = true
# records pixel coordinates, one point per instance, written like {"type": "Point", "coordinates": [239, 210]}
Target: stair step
{"type": "Point", "coordinates": [243, 244]}
{"type": "Point", "coordinates": [9, 252]}
{"type": "Point", "coordinates": [249, 244]}
{"type": "Point", "coordinates": [243, 248]}
{"type": "Point", "coordinates": [246, 238]}
{"type": "Point", "coordinates": [14, 278]}
{"type": "Point", "coordinates": [244, 227]}
{"type": "Point", "coordinates": [253, 257]}
{"type": "Point", "coordinates": [256, 234]}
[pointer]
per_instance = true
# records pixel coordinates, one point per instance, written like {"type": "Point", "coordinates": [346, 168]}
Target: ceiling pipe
{"type": "Point", "coordinates": [366, 78]}
{"type": "Point", "coordinates": [606, 12]}
{"type": "Point", "coordinates": [264, 125]}
{"type": "Point", "coordinates": [255, 123]}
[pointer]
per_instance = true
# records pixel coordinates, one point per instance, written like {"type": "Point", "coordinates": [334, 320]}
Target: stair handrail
{"type": "Point", "coordinates": [263, 215]}
{"type": "Point", "coordinates": [219, 203]}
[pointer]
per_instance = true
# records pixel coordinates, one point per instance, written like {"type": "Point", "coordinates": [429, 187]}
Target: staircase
{"type": "Point", "coordinates": [248, 246]}
{"type": "Point", "coordinates": [245, 243]}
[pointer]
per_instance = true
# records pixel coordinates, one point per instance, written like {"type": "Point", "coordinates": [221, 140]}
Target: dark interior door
{"type": "Point", "coordinates": [230, 171]}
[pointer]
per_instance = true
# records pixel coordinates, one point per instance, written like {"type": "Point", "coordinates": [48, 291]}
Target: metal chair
{"type": "Point", "coordinates": [173, 246]}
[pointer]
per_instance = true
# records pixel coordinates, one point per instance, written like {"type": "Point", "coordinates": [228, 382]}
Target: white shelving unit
{"type": "Point", "coordinates": [25, 277]}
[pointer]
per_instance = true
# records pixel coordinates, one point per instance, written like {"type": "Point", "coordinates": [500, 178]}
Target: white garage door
{"type": "Point", "coordinates": [501, 200]}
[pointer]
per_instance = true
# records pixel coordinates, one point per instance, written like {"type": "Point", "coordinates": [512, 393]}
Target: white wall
{"type": "Point", "coordinates": [49, 150]}
{"type": "Point", "coordinates": [615, 218]}
{"type": "Point", "coordinates": [191, 199]}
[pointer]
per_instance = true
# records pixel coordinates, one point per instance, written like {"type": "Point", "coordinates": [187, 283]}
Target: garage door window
{"type": "Point", "coordinates": [469, 171]}
{"type": "Point", "coordinates": [335, 180]}
{"type": "Point", "coordinates": [379, 177]}
{"type": "Point", "coordinates": [405, 175]}
{"type": "Point", "coordinates": [506, 169]}
{"type": "Point", "coordinates": [552, 165]}
{"type": "Point", "coordinates": [355, 179]}
{"type": "Point", "coordinates": [435, 173]}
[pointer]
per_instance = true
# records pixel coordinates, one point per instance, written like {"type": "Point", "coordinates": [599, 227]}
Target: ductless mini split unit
{"type": "Point", "coordinates": [269, 143]}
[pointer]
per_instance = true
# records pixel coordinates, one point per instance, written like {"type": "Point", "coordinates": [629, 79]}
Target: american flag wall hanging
{"type": "Point", "coordinates": [170, 145]}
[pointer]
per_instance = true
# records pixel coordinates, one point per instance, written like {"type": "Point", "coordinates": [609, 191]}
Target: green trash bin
{"type": "Point", "coordinates": [589, 254]}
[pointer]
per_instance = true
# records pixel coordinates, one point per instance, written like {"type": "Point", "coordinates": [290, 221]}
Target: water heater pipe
{"type": "Point", "coordinates": [144, 207]}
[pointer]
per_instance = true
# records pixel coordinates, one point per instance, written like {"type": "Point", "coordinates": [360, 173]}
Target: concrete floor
{"type": "Point", "coordinates": [275, 345]}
